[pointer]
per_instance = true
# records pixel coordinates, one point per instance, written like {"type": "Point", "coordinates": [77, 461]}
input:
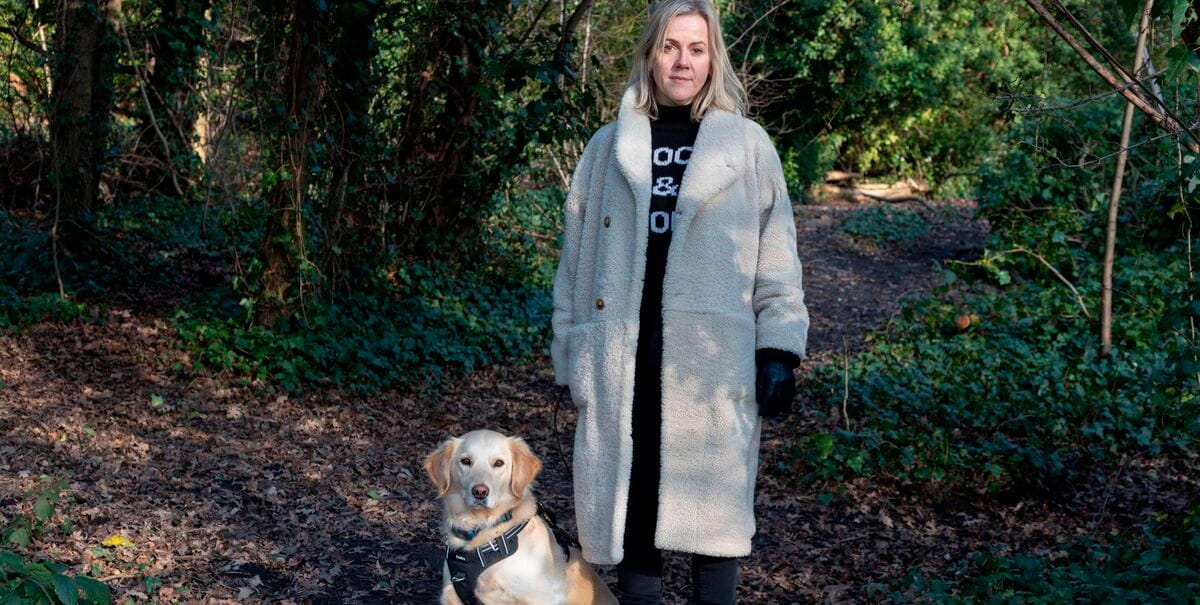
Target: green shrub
{"type": "Point", "coordinates": [23, 529]}
{"type": "Point", "coordinates": [520, 237]}
{"type": "Point", "coordinates": [901, 88]}
{"type": "Point", "coordinates": [36, 583]}
{"type": "Point", "coordinates": [1009, 386]}
{"type": "Point", "coordinates": [1033, 190]}
{"type": "Point", "coordinates": [17, 310]}
{"type": "Point", "coordinates": [406, 321]}
{"type": "Point", "coordinates": [27, 582]}
{"type": "Point", "coordinates": [987, 387]}
{"type": "Point", "coordinates": [1049, 190]}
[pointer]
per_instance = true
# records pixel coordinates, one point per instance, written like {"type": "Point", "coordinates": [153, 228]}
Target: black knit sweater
{"type": "Point", "coordinates": [671, 139]}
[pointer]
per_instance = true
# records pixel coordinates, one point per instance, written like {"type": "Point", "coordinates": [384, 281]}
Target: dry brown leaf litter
{"type": "Point", "coordinates": [231, 492]}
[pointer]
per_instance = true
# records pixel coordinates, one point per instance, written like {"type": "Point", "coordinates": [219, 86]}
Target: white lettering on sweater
{"type": "Point", "coordinates": [665, 186]}
{"type": "Point", "coordinates": [664, 156]}
{"type": "Point", "coordinates": [660, 222]}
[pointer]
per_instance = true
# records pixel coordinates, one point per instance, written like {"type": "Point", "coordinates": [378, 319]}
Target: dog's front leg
{"type": "Point", "coordinates": [449, 596]}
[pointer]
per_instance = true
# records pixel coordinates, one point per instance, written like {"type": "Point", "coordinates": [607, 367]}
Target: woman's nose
{"type": "Point", "coordinates": [682, 60]}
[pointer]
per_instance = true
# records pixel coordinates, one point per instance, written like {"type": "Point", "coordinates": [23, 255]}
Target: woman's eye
{"type": "Point", "coordinates": [465, 462]}
{"type": "Point", "coordinates": [498, 463]}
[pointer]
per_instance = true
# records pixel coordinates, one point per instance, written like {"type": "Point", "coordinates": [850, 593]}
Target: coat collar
{"type": "Point", "coordinates": [716, 161]}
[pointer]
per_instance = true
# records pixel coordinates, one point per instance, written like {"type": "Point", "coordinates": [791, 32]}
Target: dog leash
{"type": "Point", "coordinates": [562, 458]}
{"type": "Point", "coordinates": [563, 537]}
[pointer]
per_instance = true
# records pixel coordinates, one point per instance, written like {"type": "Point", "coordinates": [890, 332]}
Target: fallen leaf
{"type": "Point", "coordinates": [117, 540]}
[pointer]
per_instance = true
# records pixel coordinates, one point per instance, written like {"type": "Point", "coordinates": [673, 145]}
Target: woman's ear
{"type": "Point", "coordinates": [438, 465]}
{"type": "Point", "coordinates": [525, 466]}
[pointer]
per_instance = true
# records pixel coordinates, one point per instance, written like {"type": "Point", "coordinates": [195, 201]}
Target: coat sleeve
{"type": "Point", "coordinates": [568, 261]}
{"type": "Point", "coordinates": [781, 318]}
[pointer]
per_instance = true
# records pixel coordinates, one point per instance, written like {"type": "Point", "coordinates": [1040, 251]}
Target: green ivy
{"type": "Point", "coordinates": [885, 225]}
{"type": "Point", "coordinates": [1008, 386]}
{"type": "Point", "coordinates": [1162, 565]}
{"type": "Point", "coordinates": [419, 322]}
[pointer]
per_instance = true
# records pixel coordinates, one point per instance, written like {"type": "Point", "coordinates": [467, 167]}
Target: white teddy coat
{"type": "Point", "coordinates": [732, 286]}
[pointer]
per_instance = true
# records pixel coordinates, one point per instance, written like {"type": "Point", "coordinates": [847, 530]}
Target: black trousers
{"type": "Point", "coordinates": [639, 574]}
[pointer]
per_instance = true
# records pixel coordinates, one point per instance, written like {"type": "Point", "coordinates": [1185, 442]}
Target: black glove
{"type": "Point", "coordinates": [775, 384]}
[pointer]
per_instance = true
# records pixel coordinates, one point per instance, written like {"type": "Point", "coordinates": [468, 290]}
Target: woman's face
{"type": "Point", "coordinates": [681, 66]}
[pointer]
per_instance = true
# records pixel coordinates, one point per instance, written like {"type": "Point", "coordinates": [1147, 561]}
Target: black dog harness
{"type": "Point", "coordinates": [467, 565]}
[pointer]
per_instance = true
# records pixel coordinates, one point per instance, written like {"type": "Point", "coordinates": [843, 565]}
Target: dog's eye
{"type": "Point", "coordinates": [466, 461]}
{"type": "Point", "coordinates": [498, 463]}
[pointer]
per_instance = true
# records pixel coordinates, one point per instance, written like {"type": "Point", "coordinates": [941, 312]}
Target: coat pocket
{"type": "Point", "coordinates": [600, 352]}
{"type": "Point", "coordinates": [581, 360]}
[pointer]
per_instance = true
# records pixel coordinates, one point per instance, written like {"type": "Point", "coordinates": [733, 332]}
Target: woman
{"type": "Point", "coordinates": [678, 313]}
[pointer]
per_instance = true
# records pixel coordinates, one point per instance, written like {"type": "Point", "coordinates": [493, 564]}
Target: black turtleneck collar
{"type": "Point", "coordinates": [675, 113]}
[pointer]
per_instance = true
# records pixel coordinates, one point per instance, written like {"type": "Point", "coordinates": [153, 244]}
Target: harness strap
{"type": "Point", "coordinates": [467, 565]}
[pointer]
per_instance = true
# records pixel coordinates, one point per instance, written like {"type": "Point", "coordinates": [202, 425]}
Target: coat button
{"type": "Point", "coordinates": [600, 304]}
{"type": "Point", "coordinates": [607, 221]}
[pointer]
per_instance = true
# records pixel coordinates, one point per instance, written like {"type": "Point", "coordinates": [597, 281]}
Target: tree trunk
{"type": "Point", "coordinates": [282, 247]}
{"type": "Point", "coordinates": [82, 99]}
{"type": "Point", "coordinates": [1114, 199]}
{"type": "Point", "coordinates": [350, 96]}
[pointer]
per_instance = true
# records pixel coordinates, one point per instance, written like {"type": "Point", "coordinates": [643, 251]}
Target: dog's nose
{"type": "Point", "coordinates": [479, 491]}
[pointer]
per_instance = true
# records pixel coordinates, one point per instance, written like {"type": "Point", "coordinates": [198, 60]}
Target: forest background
{"type": "Point", "coordinates": [365, 196]}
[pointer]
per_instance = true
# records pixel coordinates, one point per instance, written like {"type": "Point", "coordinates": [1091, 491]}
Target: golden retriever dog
{"type": "Point", "coordinates": [496, 540]}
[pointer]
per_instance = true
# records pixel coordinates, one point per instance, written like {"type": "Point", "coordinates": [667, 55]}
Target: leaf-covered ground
{"type": "Point", "coordinates": [239, 493]}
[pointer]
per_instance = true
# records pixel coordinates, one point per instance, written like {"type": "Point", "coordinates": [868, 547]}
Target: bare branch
{"type": "Point", "coordinates": [23, 41]}
{"type": "Point", "coordinates": [1082, 163]}
{"type": "Point", "coordinates": [568, 29]}
{"type": "Point", "coordinates": [1126, 75]}
{"type": "Point", "coordinates": [150, 112]}
{"type": "Point", "coordinates": [1055, 108]}
{"type": "Point", "coordinates": [757, 21]}
{"type": "Point", "coordinates": [1114, 198]}
{"type": "Point", "coordinates": [537, 17]}
{"type": "Point", "coordinates": [1060, 277]}
{"type": "Point", "coordinates": [1165, 122]}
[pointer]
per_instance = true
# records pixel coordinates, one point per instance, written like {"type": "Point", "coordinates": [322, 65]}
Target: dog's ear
{"type": "Point", "coordinates": [438, 465]}
{"type": "Point", "coordinates": [525, 466]}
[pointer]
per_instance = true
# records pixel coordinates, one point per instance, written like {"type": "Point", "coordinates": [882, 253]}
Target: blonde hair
{"type": "Point", "coordinates": [723, 90]}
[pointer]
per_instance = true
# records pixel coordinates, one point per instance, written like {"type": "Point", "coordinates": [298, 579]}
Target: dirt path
{"type": "Point", "coordinates": [233, 493]}
{"type": "Point", "coordinates": [853, 286]}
